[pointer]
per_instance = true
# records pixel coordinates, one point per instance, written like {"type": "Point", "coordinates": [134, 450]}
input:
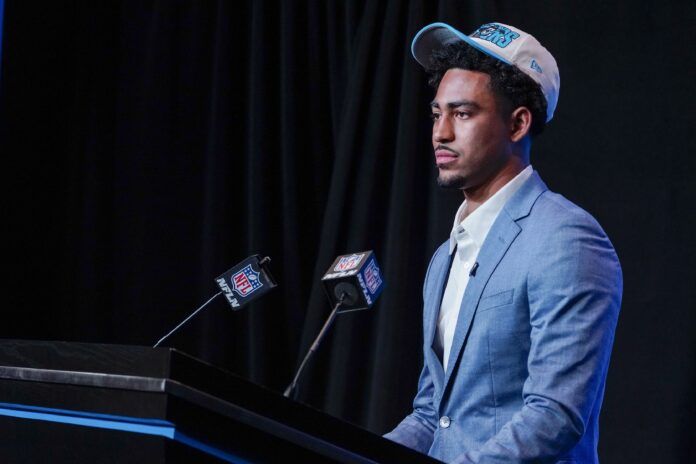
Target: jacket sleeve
{"type": "Point", "coordinates": [574, 290]}
{"type": "Point", "coordinates": [417, 429]}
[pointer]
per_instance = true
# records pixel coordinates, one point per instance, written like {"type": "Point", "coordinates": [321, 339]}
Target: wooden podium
{"type": "Point", "coordinates": [87, 403]}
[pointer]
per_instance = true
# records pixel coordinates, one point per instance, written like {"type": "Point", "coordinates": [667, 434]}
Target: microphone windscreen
{"type": "Point", "coordinates": [356, 275]}
{"type": "Point", "coordinates": [246, 281]}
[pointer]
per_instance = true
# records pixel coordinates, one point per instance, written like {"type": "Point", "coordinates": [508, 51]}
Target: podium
{"type": "Point", "coordinates": [66, 402]}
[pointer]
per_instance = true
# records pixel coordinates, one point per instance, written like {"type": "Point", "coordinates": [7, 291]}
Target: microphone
{"type": "Point", "coordinates": [249, 279]}
{"type": "Point", "coordinates": [472, 273]}
{"type": "Point", "coordinates": [357, 275]}
{"type": "Point", "coordinates": [246, 281]}
{"type": "Point", "coordinates": [353, 282]}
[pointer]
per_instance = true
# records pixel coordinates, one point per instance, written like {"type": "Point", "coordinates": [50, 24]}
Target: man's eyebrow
{"type": "Point", "coordinates": [456, 104]}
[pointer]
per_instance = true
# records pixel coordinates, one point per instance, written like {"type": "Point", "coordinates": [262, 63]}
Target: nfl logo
{"type": "Point", "coordinates": [347, 263]}
{"type": "Point", "coordinates": [246, 281]}
{"type": "Point", "coordinates": [372, 278]}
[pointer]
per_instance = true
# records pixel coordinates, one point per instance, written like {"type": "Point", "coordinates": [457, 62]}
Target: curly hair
{"type": "Point", "coordinates": [512, 87]}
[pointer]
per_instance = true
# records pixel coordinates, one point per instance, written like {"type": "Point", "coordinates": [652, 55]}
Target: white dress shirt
{"type": "Point", "coordinates": [467, 237]}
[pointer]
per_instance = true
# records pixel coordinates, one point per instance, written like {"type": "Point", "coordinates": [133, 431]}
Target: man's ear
{"type": "Point", "coordinates": [520, 123]}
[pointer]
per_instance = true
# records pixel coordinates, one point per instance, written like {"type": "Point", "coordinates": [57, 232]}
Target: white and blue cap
{"type": "Point", "coordinates": [505, 43]}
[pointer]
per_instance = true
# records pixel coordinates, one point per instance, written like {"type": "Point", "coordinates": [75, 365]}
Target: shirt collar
{"type": "Point", "coordinates": [478, 223]}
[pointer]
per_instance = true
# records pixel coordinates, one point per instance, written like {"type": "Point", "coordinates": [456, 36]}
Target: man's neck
{"type": "Point", "coordinates": [476, 196]}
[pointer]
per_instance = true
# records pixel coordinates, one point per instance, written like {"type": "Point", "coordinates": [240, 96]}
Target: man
{"type": "Point", "coordinates": [521, 303]}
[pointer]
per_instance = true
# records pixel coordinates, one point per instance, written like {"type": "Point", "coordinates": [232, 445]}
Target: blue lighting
{"type": "Point", "coordinates": [130, 424]}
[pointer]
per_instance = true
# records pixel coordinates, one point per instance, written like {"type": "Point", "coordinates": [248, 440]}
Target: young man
{"type": "Point", "coordinates": [521, 303]}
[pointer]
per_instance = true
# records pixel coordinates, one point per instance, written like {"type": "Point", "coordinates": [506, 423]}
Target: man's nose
{"type": "Point", "coordinates": [442, 130]}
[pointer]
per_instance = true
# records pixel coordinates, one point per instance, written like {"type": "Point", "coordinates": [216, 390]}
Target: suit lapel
{"type": "Point", "coordinates": [501, 235]}
{"type": "Point", "coordinates": [433, 310]}
{"type": "Point", "coordinates": [499, 238]}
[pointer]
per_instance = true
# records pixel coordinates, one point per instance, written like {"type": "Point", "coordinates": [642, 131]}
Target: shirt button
{"type": "Point", "coordinates": [444, 422]}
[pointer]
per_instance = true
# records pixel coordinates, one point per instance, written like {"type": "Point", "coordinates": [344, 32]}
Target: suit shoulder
{"type": "Point", "coordinates": [553, 209]}
{"type": "Point", "coordinates": [557, 226]}
{"type": "Point", "coordinates": [555, 220]}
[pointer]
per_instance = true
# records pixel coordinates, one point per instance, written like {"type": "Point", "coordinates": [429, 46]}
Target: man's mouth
{"type": "Point", "coordinates": [443, 157]}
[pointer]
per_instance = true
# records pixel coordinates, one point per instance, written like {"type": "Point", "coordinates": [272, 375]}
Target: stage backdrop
{"type": "Point", "coordinates": [149, 146]}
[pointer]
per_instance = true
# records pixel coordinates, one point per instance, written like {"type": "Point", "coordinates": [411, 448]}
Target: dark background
{"type": "Point", "coordinates": [149, 146]}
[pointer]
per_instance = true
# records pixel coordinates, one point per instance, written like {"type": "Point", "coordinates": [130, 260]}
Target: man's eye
{"type": "Point", "coordinates": [434, 116]}
{"type": "Point", "coordinates": [462, 114]}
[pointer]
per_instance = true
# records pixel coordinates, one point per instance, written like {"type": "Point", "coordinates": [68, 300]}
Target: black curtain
{"type": "Point", "coordinates": [149, 146]}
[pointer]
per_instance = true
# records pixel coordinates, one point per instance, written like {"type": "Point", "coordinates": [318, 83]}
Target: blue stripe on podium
{"type": "Point", "coordinates": [130, 424]}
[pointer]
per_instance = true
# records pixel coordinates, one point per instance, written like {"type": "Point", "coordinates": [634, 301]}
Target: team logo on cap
{"type": "Point", "coordinates": [495, 34]}
{"type": "Point", "coordinates": [347, 263]}
{"type": "Point", "coordinates": [246, 281]}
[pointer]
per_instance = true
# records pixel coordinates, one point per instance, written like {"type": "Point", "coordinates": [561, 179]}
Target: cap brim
{"type": "Point", "coordinates": [436, 35]}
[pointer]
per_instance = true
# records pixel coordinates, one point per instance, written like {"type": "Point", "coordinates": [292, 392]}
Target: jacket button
{"type": "Point", "coordinates": [444, 422]}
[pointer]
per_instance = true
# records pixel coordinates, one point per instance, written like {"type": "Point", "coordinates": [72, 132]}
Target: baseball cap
{"type": "Point", "coordinates": [505, 43]}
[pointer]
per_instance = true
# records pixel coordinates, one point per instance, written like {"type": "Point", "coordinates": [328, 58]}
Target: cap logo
{"type": "Point", "coordinates": [535, 66]}
{"type": "Point", "coordinates": [495, 34]}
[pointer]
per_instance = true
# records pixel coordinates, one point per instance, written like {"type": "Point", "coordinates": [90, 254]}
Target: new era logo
{"type": "Point", "coordinates": [535, 66]}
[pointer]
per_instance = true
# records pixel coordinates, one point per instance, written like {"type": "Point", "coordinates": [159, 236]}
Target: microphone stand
{"type": "Point", "coordinates": [291, 388]}
{"type": "Point", "coordinates": [187, 319]}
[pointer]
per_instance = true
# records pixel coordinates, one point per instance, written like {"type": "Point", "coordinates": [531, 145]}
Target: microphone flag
{"type": "Point", "coordinates": [358, 276]}
{"type": "Point", "coordinates": [246, 281]}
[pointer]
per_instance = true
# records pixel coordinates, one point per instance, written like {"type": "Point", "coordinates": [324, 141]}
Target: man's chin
{"type": "Point", "coordinates": [451, 182]}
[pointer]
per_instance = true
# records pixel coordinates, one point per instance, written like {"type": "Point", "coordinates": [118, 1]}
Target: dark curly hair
{"type": "Point", "coordinates": [512, 87]}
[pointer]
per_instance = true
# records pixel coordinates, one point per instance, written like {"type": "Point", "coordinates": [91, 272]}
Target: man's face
{"type": "Point", "coordinates": [470, 136]}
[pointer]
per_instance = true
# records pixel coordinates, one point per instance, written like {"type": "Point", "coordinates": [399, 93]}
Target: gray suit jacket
{"type": "Point", "coordinates": [529, 358]}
